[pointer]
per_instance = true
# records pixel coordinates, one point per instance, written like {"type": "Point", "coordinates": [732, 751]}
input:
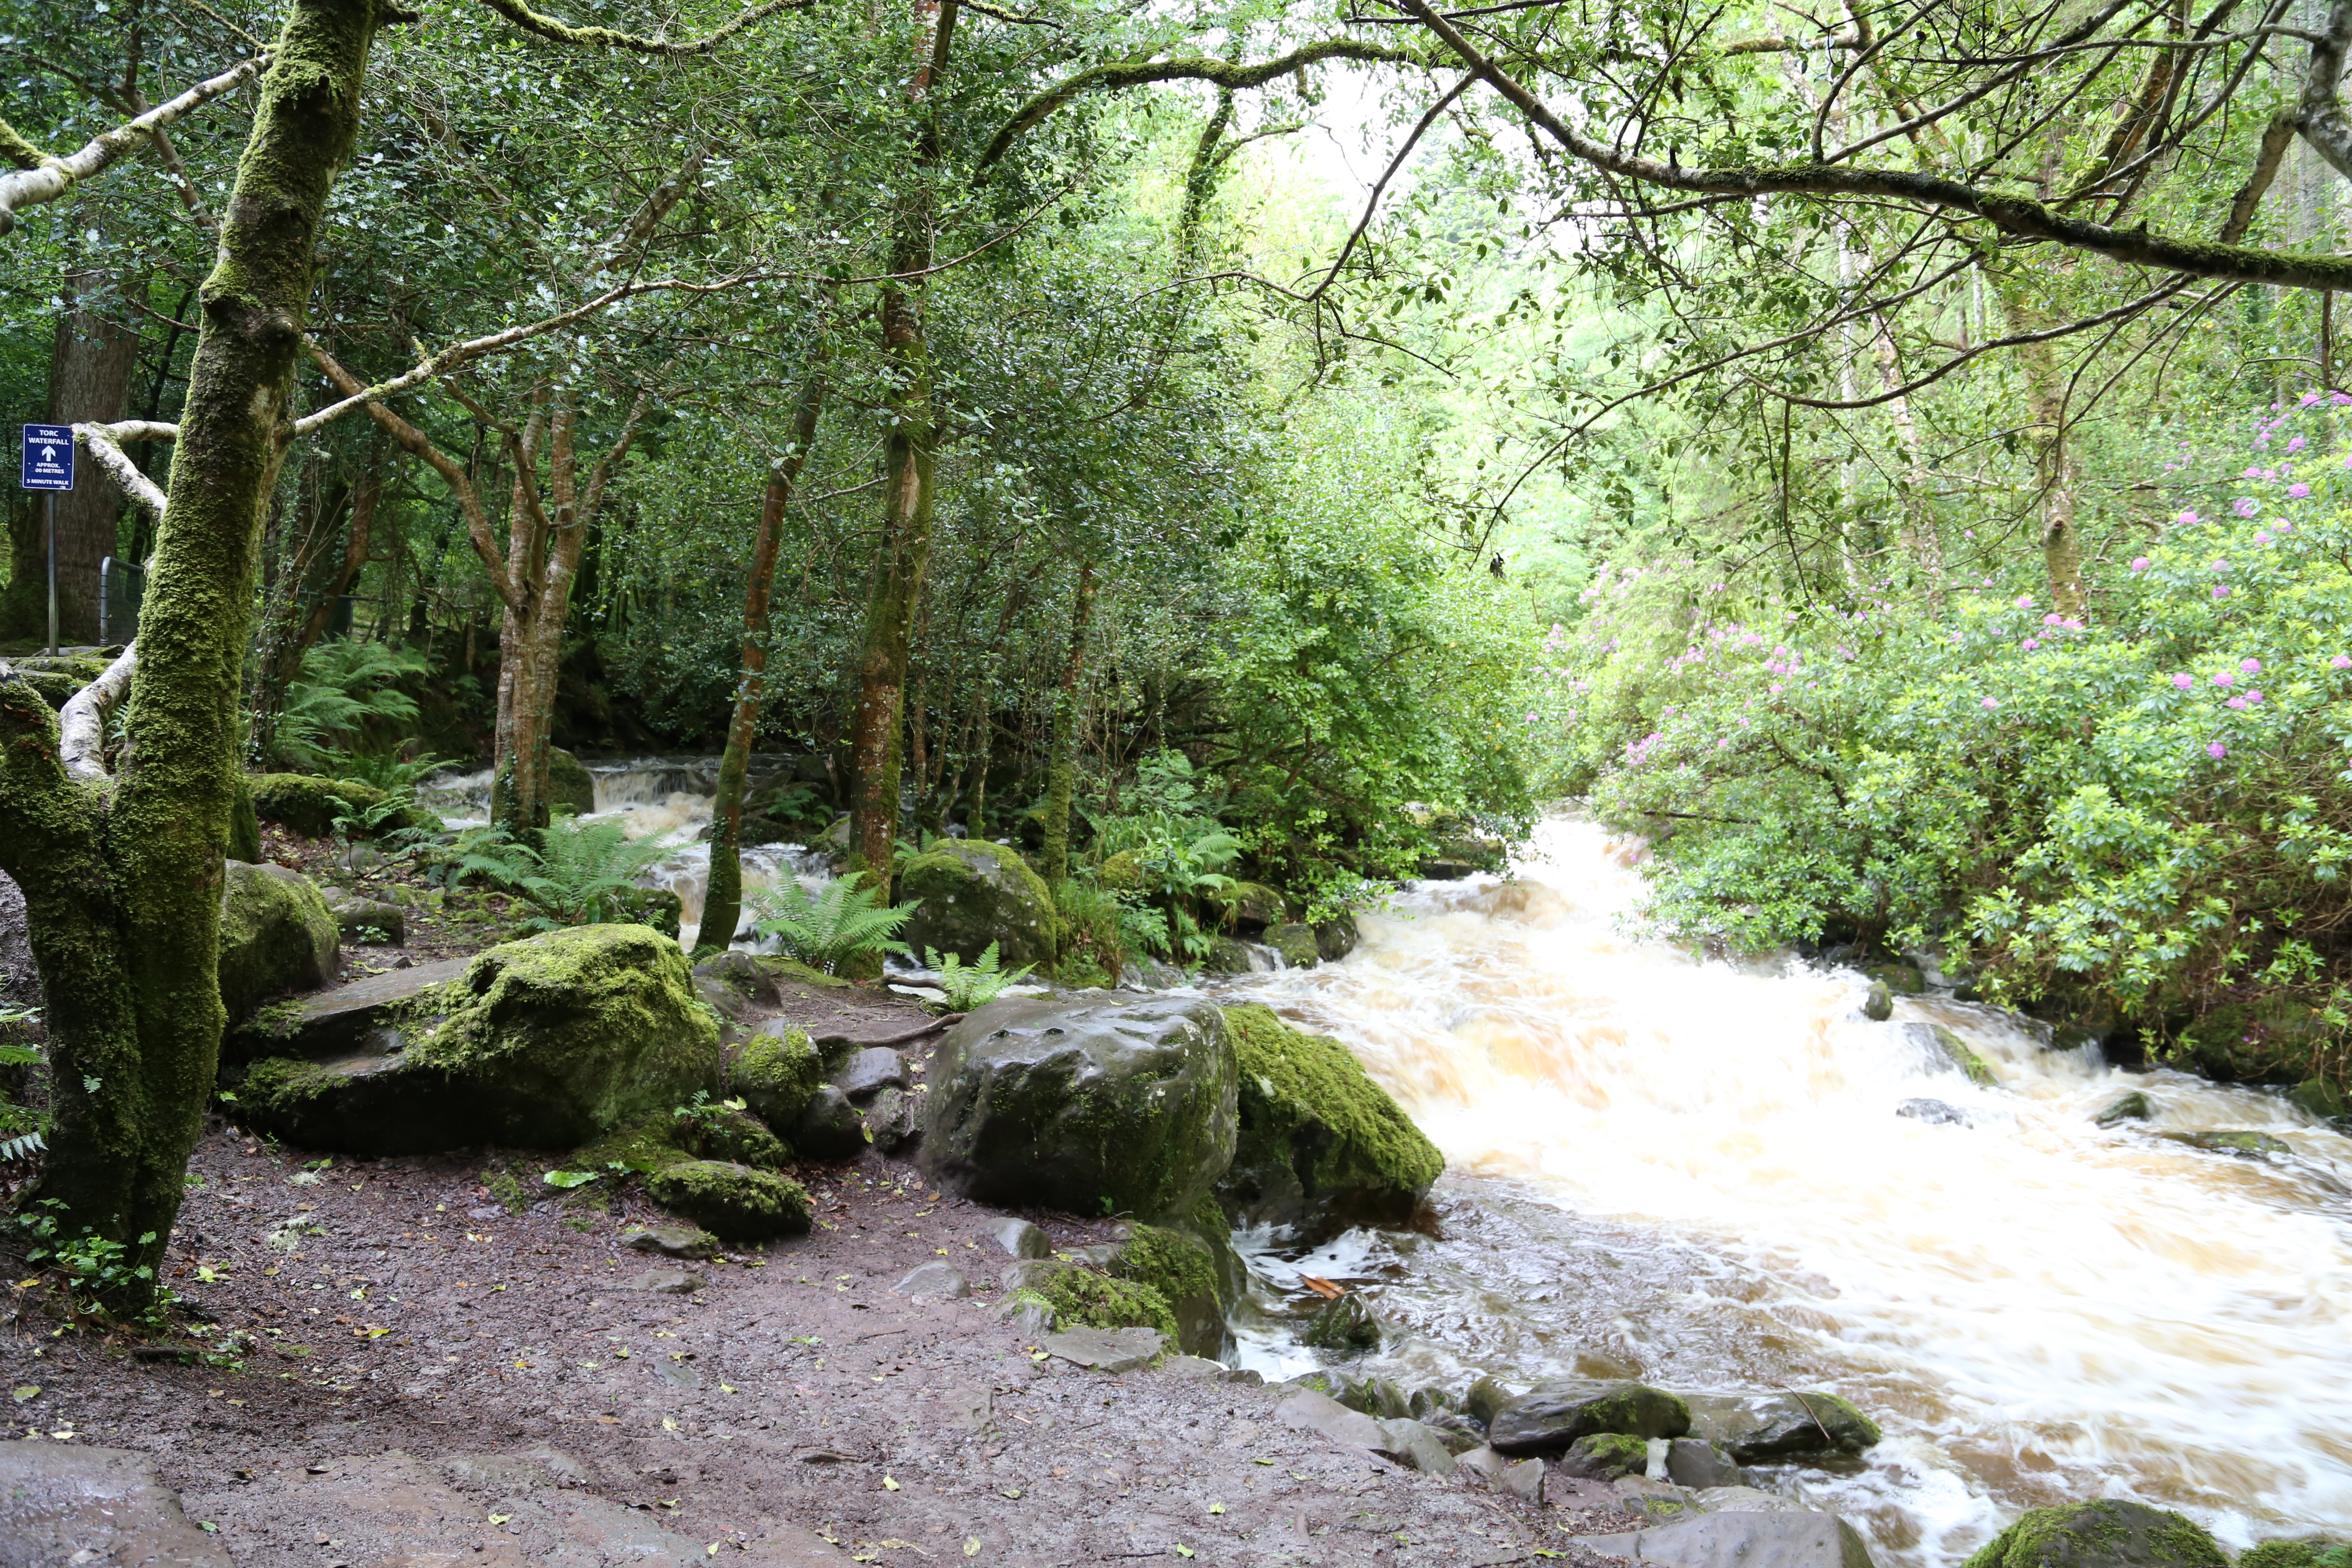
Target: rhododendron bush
{"type": "Point", "coordinates": [2139, 818]}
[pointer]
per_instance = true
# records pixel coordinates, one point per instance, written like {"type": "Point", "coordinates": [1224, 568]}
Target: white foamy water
{"type": "Point", "coordinates": [1694, 1172]}
{"type": "Point", "coordinates": [668, 798]}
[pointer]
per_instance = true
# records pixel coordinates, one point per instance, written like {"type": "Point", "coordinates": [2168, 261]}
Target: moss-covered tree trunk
{"type": "Point", "coordinates": [123, 877]}
{"type": "Point", "coordinates": [723, 897]}
{"type": "Point", "coordinates": [1061, 766]}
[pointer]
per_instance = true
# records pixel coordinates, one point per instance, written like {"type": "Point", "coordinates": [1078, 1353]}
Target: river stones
{"type": "Point", "coordinates": [1415, 1446]}
{"type": "Point", "coordinates": [1553, 1415]}
{"type": "Point", "coordinates": [1319, 1146]}
{"type": "Point", "coordinates": [1344, 1324]}
{"type": "Point", "coordinates": [1741, 1539]}
{"type": "Point", "coordinates": [1308, 1411]}
{"type": "Point", "coordinates": [1521, 1478]}
{"type": "Point", "coordinates": [831, 1128]}
{"type": "Point", "coordinates": [1296, 944]}
{"type": "Point", "coordinates": [1020, 1238]}
{"type": "Point", "coordinates": [1941, 1049]}
{"type": "Point", "coordinates": [974, 893]}
{"type": "Point", "coordinates": [938, 1279]}
{"type": "Point", "coordinates": [1699, 1465]}
{"type": "Point", "coordinates": [1767, 1428]}
{"type": "Point", "coordinates": [1935, 1113]}
{"type": "Point", "coordinates": [2244, 1145]}
{"type": "Point", "coordinates": [2110, 1533]}
{"type": "Point", "coordinates": [864, 1073]}
{"type": "Point", "coordinates": [276, 935]}
{"type": "Point", "coordinates": [1605, 1456]}
{"type": "Point", "coordinates": [1878, 1005]}
{"type": "Point", "coordinates": [1486, 1400]}
{"type": "Point", "coordinates": [544, 1044]}
{"type": "Point", "coordinates": [2132, 1106]}
{"type": "Point", "coordinates": [1096, 1105]}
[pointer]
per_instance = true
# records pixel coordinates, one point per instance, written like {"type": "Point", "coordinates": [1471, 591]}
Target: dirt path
{"type": "Point", "coordinates": [435, 1380]}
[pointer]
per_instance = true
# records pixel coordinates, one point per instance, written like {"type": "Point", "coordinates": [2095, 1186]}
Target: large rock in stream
{"type": "Point", "coordinates": [1100, 1106]}
{"type": "Point", "coordinates": [2110, 1533]}
{"type": "Point", "coordinates": [1774, 1428]}
{"type": "Point", "coordinates": [544, 1044]}
{"type": "Point", "coordinates": [1320, 1146]}
{"type": "Point", "coordinates": [1553, 1415]}
{"type": "Point", "coordinates": [276, 935]}
{"type": "Point", "coordinates": [973, 894]}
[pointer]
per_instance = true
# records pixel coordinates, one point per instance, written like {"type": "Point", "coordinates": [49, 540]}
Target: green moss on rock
{"type": "Point", "coordinates": [1605, 1456]}
{"type": "Point", "coordinates": [2106, 1535]}
{"type": "Point", "coordinates": [975, 893]}
{"type": "Point", "coordinates": [569, 786]}
{"type": "Point", "coordinates": [733, 1202]}
{"type": "Point", "coordinates": [2318, 1554]}
{"type": "Point", "coordinates": [777, 1074]}
{"type": "Point", "coordinates": [303, 804]}
{"type": "Point", "coordinates": [1174, 1264]}
{"type": "Point", "coordinates": [276, 935]}
{"type": "Point", "coordinates": [1320, 1146]}
{"type": "Point", "coordinates": [641, 1148]}
{"type": "Point", "coordinates": [1964, 1058]}
{"type": "Point", "coordinates": [724, 1133]}
{"type": "Point", "coordinates": [1082, 1297]}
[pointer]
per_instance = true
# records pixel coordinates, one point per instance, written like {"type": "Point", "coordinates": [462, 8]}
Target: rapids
{"type": "Point", "coordinates": [1692, 1171]}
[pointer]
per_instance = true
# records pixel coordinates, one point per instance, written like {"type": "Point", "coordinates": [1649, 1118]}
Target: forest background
{"type": "Point", "coordinates": [1913, 502]}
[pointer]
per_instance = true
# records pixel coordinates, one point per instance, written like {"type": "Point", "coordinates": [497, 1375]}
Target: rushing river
{"type": "Point", "coordinates": [1694, 1173]}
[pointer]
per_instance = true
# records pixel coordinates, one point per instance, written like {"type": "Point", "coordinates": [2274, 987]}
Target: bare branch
{"type": "Point", "coordinates": [81, 723]}
{"type": "Point", "coordinates": [96, 440]}
{"type": "Point", "coordinates": [53, 177]}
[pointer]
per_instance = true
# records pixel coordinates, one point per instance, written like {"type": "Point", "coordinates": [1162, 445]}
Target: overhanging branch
{"type": "Point", "coordinates": [47, 178]}
{"type": "Point", "coordinates": [81, 723]}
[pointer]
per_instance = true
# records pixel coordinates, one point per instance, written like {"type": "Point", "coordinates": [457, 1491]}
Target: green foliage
{"type": "Point", "coordinates": [971, 985]}
{"type": "Point", "coordinates": [829, 930]}
{"type": "Point", "coordinates": [345, 691]}
{"type": "Point", "coordinates": [579, 873]}
{"type": "Point", "coordinates": [1084, 1298]}
{"type": "Point", "coordinates": [103, 1278]}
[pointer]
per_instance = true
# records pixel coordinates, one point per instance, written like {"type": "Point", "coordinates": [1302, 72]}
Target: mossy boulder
{"type": "Point", "coordinates": [1553, 1415]}
{"type": "Point", "coordinates": [2323, 1098]}
{"type": "Point", "coordinates": [733, 1202]}
{"type": "Point", "coordinates": [243, 826]}
{"type": "Point", "coordinates": [2110, 1533]}
{"type": "Point", "coordinates": [276, 935]}
{"type": "Point", "coordinates": [1185, 1271]}
{"type": "Point", "coordinates": [1099, 1105]}
{"type": "Point", "coordinates": [1777, 1429]}
{"type": "Point", "coordinates": [1320, 1146]}
{"type": "Point", "coordinates": [1296, 944]}
{"type": "Point", "coordinates": [569, 786]}
{"type": "Point", "coordinates": [2314, 1553]}
{"type": "Point", "coordinates": [2244, 1143]}
{"type": "Point", "coordinates": [544, 1044]}
{"type": "Point", "coordinates": [975, 893]}
{"type": "Point", "coordinates": [721, 1131]}
{"type": "Point", "coordinates": [1605, 1456]}
{"type": "Point", "coordinates": [1964, 1056]}
{"type": "Point", "coordinates": [301, 802]}
{"type": "Point", "coordinates": [1121, 873]}
{"type": "Point", "coordinates": [1227, 956]}
{"type": "Point", "coordinates": [776, 1075]}
{"type": "Point", "coordinates": [1074, 1297]}
{"type": "Point", "coordinates": [1344, 1324]}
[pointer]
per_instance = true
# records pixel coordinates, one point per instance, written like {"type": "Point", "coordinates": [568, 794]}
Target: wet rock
{"type": "Point", "coordinates": [934, 1280]}
{"type": "Point", "coordinates": [539, 1467]}
{"type": "Point", "coordinates": [1443, 869]}
{"type": "Point", "coordinates": [737, 975]}
{"type": "Point", "coordinates": [1769, 1429]}
{"type": "Point", "coordinates": [973, 894]}
{"type": "Point", "coordinates": [1020, 1238]}
{"type": "Point", "coordinates": [686, 1241]}
{"type": "Point", "coordinates": [1335, 939]}
{"type": "Point", "coordinates": [369, 923]}
{"type": "Point", "coordinates": [2314, 1552]}
{"type": "Point", "coordinates": [1486, 1399]}
{"type": "Point", "coordinates": [1740, 1540]}
{"type": "Point", "coordinates": [1344, 1324]}
{"type": "Point", "coordinates": [1091, 1105]}
{"type": "Point", "coordinates": [1943, 1050]}
{"type": "Point", "coordinates": [276, 935]}
{"type": "Point", "coordinates": [831, 1128]}
{"type": "Point", "coordinates": [2319, 1098]}
{"type": "Point", "coordinates": [734, 1201]}
{"type": "Point", "coordinates": [2105, 1534]}
{"type": "Point", "coordinates": [1227, 955]}
{"type": "Point", "coordinates": [892, 1120]}
{"type": "Point", "coordinates": [1375, 1396]}
{"type": "Point", "coordinates": [1935, 1113]}
{"type": "Point", "coordinates": [1296, 944]}
{"type": "Point", "coordinates": [1319, 1146]}
{"type": "Point", "coordinates": [1105, 1349]}
{"type": "Point", "coordinates": [2244, 1145]}
{"type": "Point", "coordinates": [864, 1073]}
{"type": "Point", "coordinates": [1457, 1431]}
{"type": "Point", "coordinates": [1902, 979]}
{"type": "Point", "coordinates": [1556, 1413]}
{"type": "Point", "coordinates": [1745, 1499]}
{"type": "Point", "coordinates": [1415, 1446]}
{"type": "Point", "coordinates": [777, 1074]}
{"type": "Point", "coordinates": [2133, 1106]}
{"type": "Point", "coordinates": [665, 1282]}
{"type": "Point", "coordinates": [1879, 1004]}
{"type": "Point", "coordinates": [1521, 1478]}
{"type": "Point", "coordinates": [545, 1044]}
{"type": "Point", "coordinates": [1311, 1412]}
{"type": "Point", "coordinates": [1697, 1464]}
{"type": "Point", "coordinates": [1655, 1501]}
{"type": "Point", "coordinates": [63, 1503]}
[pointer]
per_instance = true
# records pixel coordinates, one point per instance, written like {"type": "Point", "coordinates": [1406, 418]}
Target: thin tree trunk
{"type": "Point", "coordinates": [1061, 766]}
{"type": "Point", "coordinates": [123, 884]}
{"type": "Point", "coordinates": [905, 548]}
{"type": "Point", "coordinates": [2054, 462]}
{"type": "Point", "coordinates": [288, 630]}
{"type": "Point", "coordinates": [722, 898]}
{"type": "Point", "coordinates": [1921, 540]}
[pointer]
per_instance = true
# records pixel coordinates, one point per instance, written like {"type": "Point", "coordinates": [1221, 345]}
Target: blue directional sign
{"type": "Point", "coordinates": [49, 458]}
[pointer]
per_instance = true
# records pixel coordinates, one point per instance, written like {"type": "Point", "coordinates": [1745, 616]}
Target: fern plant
{"type": "Point", "coordinates": [827, 930]}
{"type": "Point", "coordinates": [573, 876]}
{"type": "Point", "coordinates": [971, 985]}
{"type": "Point", "coordinates": [345, 688]}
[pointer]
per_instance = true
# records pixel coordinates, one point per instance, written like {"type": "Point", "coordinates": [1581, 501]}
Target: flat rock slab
{"type": "Point", "coordinates": [1741, 1541]}
{"type": "Point", "coordinates": [868, 1071]}
{"type": "Point", "coordinates": [1106, 1350]}
{"type": "Point", "coordinates": [669, 1240]}
{"type": "Point", "coordinates": [1312, 1411]}
{"type": "Point", "coordinates": [60, 1504]}
{"type": "Point", "coordinates": [934, 1280]}
{"type": "Point", "coordinates": [335, 1022]}
{"type": "Point", "coordinates": [666, 1283]}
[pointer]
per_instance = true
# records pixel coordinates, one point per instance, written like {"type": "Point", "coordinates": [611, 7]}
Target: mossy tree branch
{"type": "Point", "coordinates": [40, 178]}
{"type": "Point", "coordinates": [540, 26]}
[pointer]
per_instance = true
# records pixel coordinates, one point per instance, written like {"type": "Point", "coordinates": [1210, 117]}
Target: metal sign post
{"type": "Point", "coordinates": [49, 466]}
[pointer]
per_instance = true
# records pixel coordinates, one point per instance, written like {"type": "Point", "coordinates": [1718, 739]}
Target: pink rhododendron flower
{"type": "Point", "coordinates": [2251, 666]}
{"type": "Point", "coordinates": [2186, 681]}
{"type": "Point", "coordinates": [2217, 750]}
{"type": "Point", "coordinates": [2025, 601]}
{"type": "Point", "coordinates": [2235, 702]}
{"type": "Point", "coordinates": [1991, 702]}
{"type": "Point", "coordinates": [2029, 645]}
{"type": "Point", "coordinates": [2141, 564]}
{"type": "Point", "coordinates": [2225, 678]}
{"type": "Point", "coordinates": [2341, 661]}
{"type": "Point", "coordinates": [2221, 592]}
{"type": "Point", "coordinates": [2254, 696]}
{"type": "Point", "coordinates": [2296, 445]}
{"type": "Point", "coordinates": [2297, 491]}
{"type": "Point", "coordinates": [2246, 506]}
{"type": "Point", "coordinates": [2191, 517]}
